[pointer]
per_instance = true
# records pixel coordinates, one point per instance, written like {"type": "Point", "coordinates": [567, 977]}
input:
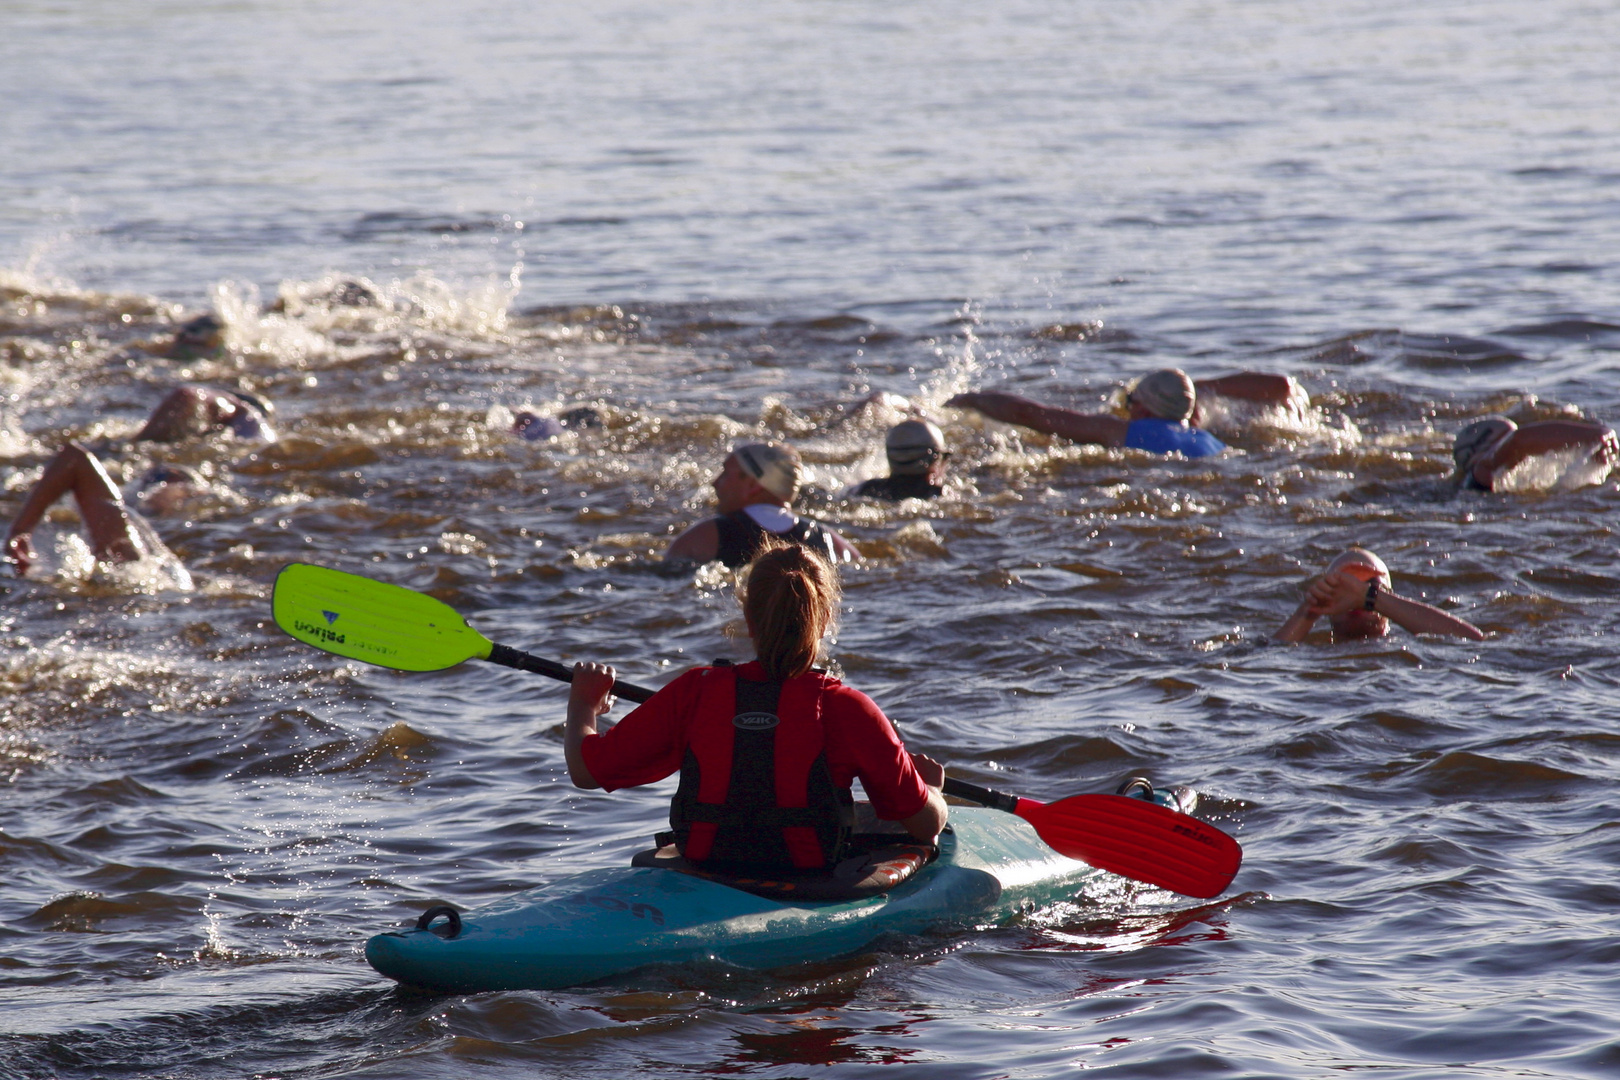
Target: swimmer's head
{"type": "Point", "coordinates": [774, 467]}
{"type": "Point", "coordinates": [581, 418]}
{"type": "Point", "coordinates": [1166, 394]}
{"type": "Point", "coordinates": [162, 488]}
{"type": "Point", "coordinates": [1365, 566]}
{"type": "Point", "coordinates": [534, 427]}
{"type": "Point", "coordinates": [1478, 439]}
{"type": "Point", "coordinates": [252, 419]}
{"type": "Point", "coordinates": [913, 446]}
{"type": "Point", "coordinates": [201, 334]}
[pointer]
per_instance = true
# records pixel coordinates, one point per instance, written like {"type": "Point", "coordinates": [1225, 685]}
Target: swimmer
{"type": "Point", "coordinates": [1486, 450]}
{"type": "Point", "coordinates": [917, 456]}
{"type": "Point", "coordinates": [756, 485]}
{"type": "Point", "coordinates": [1354, 594]}
{"type": "Point", "coordinates": [1162, 411]}
{"type": "Point", "coordinates": [190, 411]}
{"type": "Point", "coordinates": [198, 337]}
{"type": "Point", "coordinates": [533, 427]}
{"type": "Point", "coordinates": [821, 736]}
{"type": "Point", "coordinates": [117, 534]}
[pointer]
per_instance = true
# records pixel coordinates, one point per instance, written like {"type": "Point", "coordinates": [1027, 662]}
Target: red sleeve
{"type": "Point", "coordinates": [861, 742]}
{"type": "Point", "coordinates": [649, 743]}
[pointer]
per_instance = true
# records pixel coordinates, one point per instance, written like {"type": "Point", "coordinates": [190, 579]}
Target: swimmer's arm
{"type": "Point", "coordinates": [1299, 624]}
{"type": "Point", "coordinates": [74, 469]}
{"type": "Point", "coordinates": [1260, 387]}
{"type": "Point", "coordinates": [700, 543]}
{"type": "Point", "coordinates": [589, 696]}
{"type": "Point", "coordinates": [845, 550]}
{"type": "Point", "coordinates": [1325, 595]}
{"type": "Point", "coordinates": [1416, 617]}
{"type": "Point", "coordinates": [1052, 420]}
{"type": "Point", "coordinates": [1548, 437]}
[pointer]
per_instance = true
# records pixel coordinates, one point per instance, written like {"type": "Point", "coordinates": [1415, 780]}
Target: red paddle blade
{"type": "Point", "coordinates": [1139, 840]}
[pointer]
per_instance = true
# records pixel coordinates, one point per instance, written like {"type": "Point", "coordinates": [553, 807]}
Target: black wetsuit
{"type": "Point", "coordinates": [742, 538]}
{"type": "Point", "coordinates": [895, 488]}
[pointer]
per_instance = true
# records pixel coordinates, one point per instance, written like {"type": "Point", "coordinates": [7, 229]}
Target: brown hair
{"type": "Point", "coordinates": [790, 600]}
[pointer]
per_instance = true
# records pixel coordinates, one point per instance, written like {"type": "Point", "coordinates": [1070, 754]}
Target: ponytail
{"type": "Point", "coordinates": [790, 600]}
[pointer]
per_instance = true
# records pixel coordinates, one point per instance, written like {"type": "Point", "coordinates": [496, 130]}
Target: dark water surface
{"type": "Point", "coordinates": [724, 221]}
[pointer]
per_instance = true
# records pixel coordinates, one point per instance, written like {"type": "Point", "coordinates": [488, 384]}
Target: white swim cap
{"type": "Point", "coordinates": [775, 467]}
{"type": "Point", "coordinates": [913, 446]}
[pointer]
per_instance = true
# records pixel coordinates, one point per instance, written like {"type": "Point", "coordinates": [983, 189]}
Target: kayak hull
{"type": "Point", "coordinates": [599, 923]}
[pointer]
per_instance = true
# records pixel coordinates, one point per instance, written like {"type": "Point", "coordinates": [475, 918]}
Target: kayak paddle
{"type": "Point", "coordinates": [1130, 837]}
{"type": "Point", "coordinates": [395, 627]}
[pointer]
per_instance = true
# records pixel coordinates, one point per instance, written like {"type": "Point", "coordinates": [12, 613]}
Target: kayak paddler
{"type": "Point", "coordinates": [766, 750]}
{"type": "Point", "coordinates": [1355, 595]}
{"type": "Point", "coordinates": [755, 490]}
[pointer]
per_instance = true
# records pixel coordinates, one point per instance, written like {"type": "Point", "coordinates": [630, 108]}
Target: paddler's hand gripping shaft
{"type": "Point", "coordinates": [507, 656]}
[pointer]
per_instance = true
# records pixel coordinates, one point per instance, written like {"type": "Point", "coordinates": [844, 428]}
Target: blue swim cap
{"type": "Point", "coordinates": [534, 428]}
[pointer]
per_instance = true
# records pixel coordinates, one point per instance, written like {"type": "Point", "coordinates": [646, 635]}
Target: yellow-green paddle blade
{"type": "Point", "coordinates": [362, 619]}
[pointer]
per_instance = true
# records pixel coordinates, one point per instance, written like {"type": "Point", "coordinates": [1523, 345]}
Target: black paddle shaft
{"type": "Point", "coordinates": [995, 800]}
{"type": "Point", "coordinates": [507, 656]}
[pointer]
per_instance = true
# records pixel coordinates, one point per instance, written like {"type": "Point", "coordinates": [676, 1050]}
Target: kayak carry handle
{"type": "Point", "coordinates": [452, 928]}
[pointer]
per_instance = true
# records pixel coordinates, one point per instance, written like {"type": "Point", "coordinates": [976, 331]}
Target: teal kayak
{"type": "Point", "coordinates": [600, 923]}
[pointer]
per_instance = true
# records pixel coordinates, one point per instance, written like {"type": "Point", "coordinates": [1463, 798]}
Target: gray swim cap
{"type": "Point", "coordinates": [1477, 438]}
{"type": "Point", "coordinates": [913, 446]}
{"type": "Point", "coordinates": [1167, 394]}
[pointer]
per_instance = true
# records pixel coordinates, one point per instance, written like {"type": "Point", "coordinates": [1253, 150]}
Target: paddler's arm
{"type": "Point", "coordinates": [1053, 420]}
{"type": "Point", "coordinates": [925, 824]}
{"type": "Point", "coordinates": [590, 695]}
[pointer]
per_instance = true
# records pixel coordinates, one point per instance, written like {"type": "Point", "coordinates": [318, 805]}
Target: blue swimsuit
{"type": "Point", "coordinates": [1171, 436]}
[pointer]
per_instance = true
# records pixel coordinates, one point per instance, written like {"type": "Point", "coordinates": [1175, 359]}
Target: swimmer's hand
{"type": "Point", "coordinates": [20, 553]}
{"type": "Point", "coordinates": [1335, 593]}
{"type": "Point", "coordinates": [1608, 449]}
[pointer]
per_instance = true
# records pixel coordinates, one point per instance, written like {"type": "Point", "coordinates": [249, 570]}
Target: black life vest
{"type": "Point", "coordinates": [755, 789]}
{"type": "Point", "coordinates": [741, 538]}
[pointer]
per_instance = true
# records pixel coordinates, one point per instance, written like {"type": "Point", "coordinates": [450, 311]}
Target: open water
{"type": "Point", "coordinates": [725, 220]}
